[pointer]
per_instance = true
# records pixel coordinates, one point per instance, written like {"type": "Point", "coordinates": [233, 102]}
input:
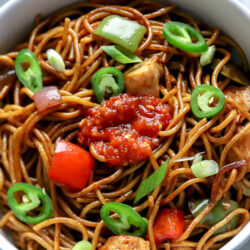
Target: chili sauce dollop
{"type": "Point", "coordinates": [124, 129]}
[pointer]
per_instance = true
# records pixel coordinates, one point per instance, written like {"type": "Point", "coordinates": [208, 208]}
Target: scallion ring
{"type": "Point", "coordinates": [82, 245]}
{"type": "Point", "coordinates": [207, 57]}
{"type": "Point", "coordinates": [120, 54]}
{"type": "Point", "coordinates": [205, 168]}
{"type": "Point", "coordinates": [55, 60]}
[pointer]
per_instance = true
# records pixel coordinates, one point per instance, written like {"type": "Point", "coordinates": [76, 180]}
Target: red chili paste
{"type": "Point", "coordinates": [124, 128]}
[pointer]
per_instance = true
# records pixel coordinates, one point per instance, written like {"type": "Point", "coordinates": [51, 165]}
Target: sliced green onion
{"type": "Point", "coordinates": [205, 168]}
{"type": "Point", "coordinates": [82, 245]}
{"type": "Point", "coordinates": [207, 57]}
{"type": "Point", "coordinates": [55, 60]}
{"type": "Point", "coordinates": [191, 158]}
{"type": "Point", "coordinates": [152, 181]}
{"type": "Point", "coordinates": [197, 158]}
{"type": "Point", "coordinates": [201, 169]}
{"type": "Point", "coordinates": [120, 54]}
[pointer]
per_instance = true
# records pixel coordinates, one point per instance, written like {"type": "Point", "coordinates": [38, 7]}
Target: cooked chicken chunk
{"type": "Point", "coordinates": [243, 145]}
{"type": "Point", "coordinates": [125, 242]}
{"type": "Point", "coordinates": [241, 95]}
{"type": "Point", "coordinates": [143, 78]}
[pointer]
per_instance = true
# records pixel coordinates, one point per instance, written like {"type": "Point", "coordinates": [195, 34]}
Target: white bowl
{"type": "Point", "coordinates": [17, 16]}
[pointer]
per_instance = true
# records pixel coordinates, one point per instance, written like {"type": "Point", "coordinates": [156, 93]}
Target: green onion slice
{"type": "Point", "coordinates": [152, 181]}
{"type": "Point", "coordinates": [205, 168]}
{"type": "Point", "coordinates": [207, 57]}
{"type": "Point", "coordinates": [120, 54]}
{"type": "Point", "coordinates": [55, 60]}
{"type": "Point", "coordinates": [82, 245]}
{"type": "Point", "coordinates": [190, 158]}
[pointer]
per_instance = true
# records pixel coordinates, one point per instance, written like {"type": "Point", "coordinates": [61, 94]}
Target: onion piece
{"type": "Point", "coordinates": [47, 97]}
{"type": "Point", "coordinates": [217, 180]}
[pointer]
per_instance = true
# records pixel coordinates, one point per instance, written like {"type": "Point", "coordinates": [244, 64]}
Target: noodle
{"type": "Point", "coordinates": [28, 137]}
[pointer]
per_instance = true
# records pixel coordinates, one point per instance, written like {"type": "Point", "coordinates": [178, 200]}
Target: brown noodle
{"type": "Point", "coordinates": [28, 137]}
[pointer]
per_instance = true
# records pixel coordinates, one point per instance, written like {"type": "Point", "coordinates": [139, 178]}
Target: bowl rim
{"type": "Point", "coordinates": [238, 240]}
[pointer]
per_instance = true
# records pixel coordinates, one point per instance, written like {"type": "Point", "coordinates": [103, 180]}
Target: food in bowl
{"type": "Point", "coordinates": [124, 126]}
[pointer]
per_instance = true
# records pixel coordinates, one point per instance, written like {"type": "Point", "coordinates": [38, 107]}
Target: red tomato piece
{"type": "Point", "coordinates": [169, 224]}
{"type": "Point", "coordinates": [71, 166]}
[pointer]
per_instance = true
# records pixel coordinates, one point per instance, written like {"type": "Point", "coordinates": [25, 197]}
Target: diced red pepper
{"type": "Point", "coordinates": [71, 166]}
{"type": "Point", "coordinates": [169, 224]}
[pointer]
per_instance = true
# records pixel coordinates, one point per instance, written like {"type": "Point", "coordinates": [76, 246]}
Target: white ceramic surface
{"type": "Point", "coordinates": [231, 16]}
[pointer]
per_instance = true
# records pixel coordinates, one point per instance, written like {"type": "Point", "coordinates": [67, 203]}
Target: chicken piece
{"type": "Point", "coordinates": [125, 242]}
{"type": "Point", "coordinates": [143, 78]}
{"type": "Point", "coordinates": [241, 95]}
{"type": "Point", "coordinates": [243, 145]}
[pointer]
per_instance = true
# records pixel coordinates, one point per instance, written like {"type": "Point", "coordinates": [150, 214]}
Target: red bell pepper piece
{"type": "Point", "coordinates": [169, 224]}
{"type": "Point", "coordinates": [71, 166]}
